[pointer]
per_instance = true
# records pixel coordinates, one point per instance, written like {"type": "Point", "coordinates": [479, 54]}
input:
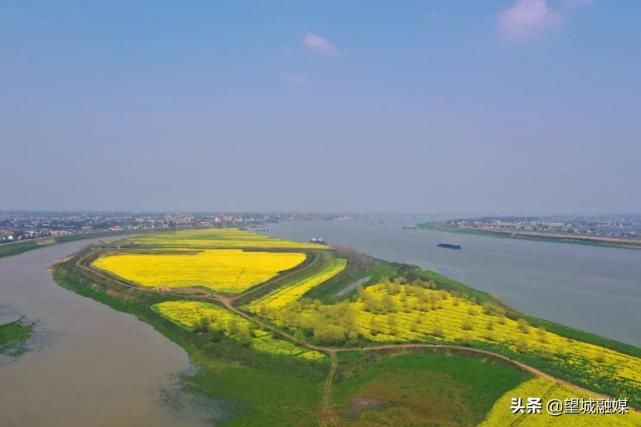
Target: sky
{"type": "Point", "coordinates": [496, 106]}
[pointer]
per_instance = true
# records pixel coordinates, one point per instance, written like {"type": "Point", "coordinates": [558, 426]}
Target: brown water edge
{"type": "Point", "coordinates": [89, 365]}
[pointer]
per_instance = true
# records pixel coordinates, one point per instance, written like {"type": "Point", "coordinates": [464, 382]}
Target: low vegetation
{"type": "Point", "coordinates": [310, 312]}
{"type": "Point", "coordinates": [222, 270]}
{"type": "Point", "coordinates": [502, 414]}
{"type": "Point", "coordinates": [289, 294]}
{"type": "Point", "coordinates": [401, 312]}
{"type": "Point", "coordinates": [217, 238]}
{"type": "Point", "coordinates": [14, 336]}
{"type": "Point", "coordinates": [421, 388]}
{"type": "Point", "coordinates": [15, 248]}
{"type": "Point", "coordinates": [211, 319]}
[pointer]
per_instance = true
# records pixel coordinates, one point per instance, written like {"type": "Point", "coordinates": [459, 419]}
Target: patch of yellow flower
{"type": "Point", "coordinates": [217, 238]}
{"type": "Point", "coordinates": [501, 413]}
{"type": "Point", "coordinates": [192, 315]}
{"type": "Point", "coordinates": [291, 293]}
{"type": "Point", "coordinates": [223, 270]}
{"type": "Point", "coordinates": [398, 312]}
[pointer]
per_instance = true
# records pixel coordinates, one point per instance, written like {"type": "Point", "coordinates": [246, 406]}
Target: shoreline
{"type": "Point", "coordinates": [76, 275]}
{"type": "Point", "coordinates": [22, 246]}
{"type": "Point", "coordinates": [533, 236]}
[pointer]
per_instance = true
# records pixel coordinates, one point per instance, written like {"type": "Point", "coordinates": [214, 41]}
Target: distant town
{"type": "Point", "coordinates": [18, 226]}
{"type": "Point", "coordinates": [622, 230]}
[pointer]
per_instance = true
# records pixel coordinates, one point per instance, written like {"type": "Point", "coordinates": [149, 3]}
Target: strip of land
{"type": "Point", "coordinates": [532, 235]}
{"type": "Point", "coordinates": [315, 331]}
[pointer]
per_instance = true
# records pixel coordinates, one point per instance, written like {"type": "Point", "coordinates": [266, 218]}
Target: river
{"type": "Point", "coordinates": [90, 365]}
{"type": "Point", "coordinates": [592, 288]}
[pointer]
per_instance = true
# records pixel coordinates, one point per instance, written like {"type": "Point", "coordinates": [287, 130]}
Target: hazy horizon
{"type": "Point", "coordinates": [499, 107]}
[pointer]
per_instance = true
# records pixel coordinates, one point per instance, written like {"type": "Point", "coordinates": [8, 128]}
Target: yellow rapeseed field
{"type": "Point", "coordinates": [289, 294]}
{"type": "Point", "coordinates": [191, 314]}
{"type": "Point", "coordinates": [501, 414]}
{"type": "Point", "coordinates": [223, 270]}
{"type": "Point", "coordinates": [409, 313]}
{"type": "Point", "coordinates": [393, 312]}
{"type": "Point", "coordinates": [217, 238]}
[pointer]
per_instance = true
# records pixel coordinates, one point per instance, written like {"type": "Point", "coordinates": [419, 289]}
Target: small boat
{"type": "Point", "coordinates": [450, 246]}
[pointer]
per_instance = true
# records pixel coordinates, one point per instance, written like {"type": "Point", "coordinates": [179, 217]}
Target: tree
{"type": "Point", "coordinates": [467, 324]}
{"type": "Point", "coordinates": [233, 327]}
{"type": "Point", "coordinates": [559, 350]}
{"type": "Point", "coordinates": [202, 325]}
{"type": "Point", "coordinates": [521, 344]}
{"type": "Point", "coordinates": [352, 335]}
{"type": "Point", "coordinates": [422, 300]}
{"type": "Point", "coordinates": [328, 334]}
{"type": "Point", "coordinates": [389, 305]}
{"type": "Point", "coordinates": [414, 326]}
{"type": "Point", "coordinates": [374, 327]}
{"type": "Point", "coordinates": [488, 308]}
{"type": "Point", "coordinates": [406, 306]}
{"type": "Point", "coordinates": [523, 326]}
{"type": "Point", "coordinates": [490, 325]}
{"type": "Point", "coordinates": [438, 331]}
{"type": "Point", "coordinates": [243, 336]}
{"type": "Point", "coordinates": [392, 324]}
{"type": "Point", "coordinates": [215, 335]}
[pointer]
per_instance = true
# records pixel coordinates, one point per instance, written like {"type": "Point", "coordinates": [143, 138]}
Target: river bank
{"type": "Point", "coordinates": [17, 248]}
{"type": "Point", "coordinates": [606, 242]}
{"type": "Point", "coordinates": [91, 365]}
{"type": "Point", "coordinates": [586, 287]}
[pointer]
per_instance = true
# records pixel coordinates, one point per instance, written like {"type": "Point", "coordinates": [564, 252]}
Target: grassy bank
{"type": "Point", "coordinates": [422, 388]}
{"type": "Point", "coordinates": [16, 248]}
{"type": "Point", "coordinates": [14, 336]}
{"type": "Point", "coordinates": [481, 297]}
{"type": "Point", "coordinates": [441, 226]}
{"type": "Point", "coordinates": [258, 389]}
{"type": "Point", "coordinates": [397, 304]}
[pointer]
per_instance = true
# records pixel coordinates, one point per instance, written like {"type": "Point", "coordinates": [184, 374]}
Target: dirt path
{"type": "Point", "coordinates": [327, 414]}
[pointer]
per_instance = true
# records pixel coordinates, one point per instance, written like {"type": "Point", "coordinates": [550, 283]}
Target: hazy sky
{"type": "Point", "coordinates": [501, 106]}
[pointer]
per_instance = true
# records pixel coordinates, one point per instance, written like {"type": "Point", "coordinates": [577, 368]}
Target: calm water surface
{"type": "Point", "coordinates": [588, 287]}
{"type": "Point", "coordinates": [91, 365]}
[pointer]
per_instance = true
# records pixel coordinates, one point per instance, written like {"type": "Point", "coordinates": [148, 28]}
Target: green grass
{"type": "Point", "coordinates": [423, 388]}
{"type": "Point", "coordinates": [16, 248]}
{"type": "Point", "coordinates": [316, 262]}
{"type": "Point", "coordinates": [260, 396]}
{"type": "Point", "coordinates": [13, 337]}
{"type": "Point", "coordinates": [287, 389]}
{"type": "Point", "coordinates": [326, 292]}
{"type": "Point", "coordinates": [258, 388]}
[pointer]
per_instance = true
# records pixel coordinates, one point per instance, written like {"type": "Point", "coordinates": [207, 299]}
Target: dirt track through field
{"type": "Point", "coordinates": [327, 413]}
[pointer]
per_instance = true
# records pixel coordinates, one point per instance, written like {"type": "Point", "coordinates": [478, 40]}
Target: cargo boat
{"type": "Point", "coordinates": [450, 245]}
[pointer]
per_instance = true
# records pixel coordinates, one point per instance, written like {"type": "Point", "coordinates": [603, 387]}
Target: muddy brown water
{"type": "Point", "coordinates": [89, 365]}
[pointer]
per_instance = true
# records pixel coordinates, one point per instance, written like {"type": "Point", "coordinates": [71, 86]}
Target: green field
{"type": "Point", "coordinates": [258, 361]}
{"type": "Point", "coordinates": [251, 383]}
{"type": "Point", "coordinates": [423, 388]}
